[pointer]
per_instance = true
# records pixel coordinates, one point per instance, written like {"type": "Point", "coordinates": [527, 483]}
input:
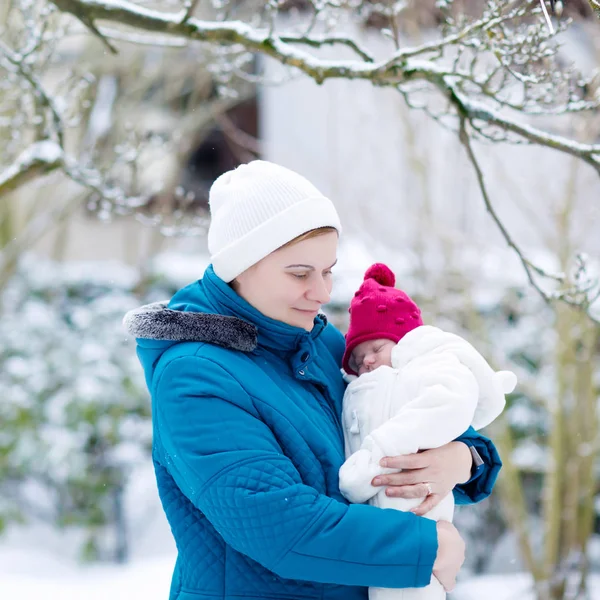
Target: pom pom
{"type": "Point", "coordinates": [381, 274]}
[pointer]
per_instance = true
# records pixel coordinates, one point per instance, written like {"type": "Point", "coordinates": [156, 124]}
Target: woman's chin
{"type": "Point", "coordinates": [303, 320]}
{"type": "Point", "coordinates": [306, 324]}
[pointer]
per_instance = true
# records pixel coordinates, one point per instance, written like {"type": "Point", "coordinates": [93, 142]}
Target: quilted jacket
{"type": "Point", "coordinates": [247, 446]}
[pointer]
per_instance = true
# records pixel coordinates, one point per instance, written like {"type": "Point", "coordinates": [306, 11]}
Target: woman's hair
{"type": "Point", "coordinates": [313, 233]}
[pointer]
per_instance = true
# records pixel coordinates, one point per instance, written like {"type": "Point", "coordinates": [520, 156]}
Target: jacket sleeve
{"type": "Point", "coordinates": [443, 396]}
{"type": "Point", "coordinates": [484, 476]}
{"type": "Point", "coordinates": [229, 464]}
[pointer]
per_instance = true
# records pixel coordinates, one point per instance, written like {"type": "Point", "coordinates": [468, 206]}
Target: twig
{"type": "Point", "coordinates": [189, 13]}
{"type": "Point", "coordinates": [466, 142]}
{"type": "Point", "coordinates": [527, 265]}
{"type": "Point", "coordinates": [475, 110]}
{"type": "Point", "coordinates": [547, 16]}
{"type": "Point", "coordinates": [39, 91]}
{"type": "Point", "coordinates": [33, 231]}
{"type": "Point", "coordinates": [318, 42]}
{"type": "Point", "coordinates": [238, 136]}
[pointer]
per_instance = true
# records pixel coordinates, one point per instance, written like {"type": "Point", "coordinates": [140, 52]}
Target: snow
{"type": "Point", "coordinates": [507, 587]}
{"type": "Point", "coordinates": [530, 456]}
{"type": "Point", "coordinates": [179, 269]}
{"type": "Point", "coordinates": [55, 580]}
{"type": "Point", "coordinates": [32, 575]}
{"type": "Point", "coordinates": [45, 151]}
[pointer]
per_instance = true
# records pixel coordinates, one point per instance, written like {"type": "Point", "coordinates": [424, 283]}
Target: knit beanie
{"type": "Point", "coordinates": [378, 310]}
{"type": "Point", "coordinates": [257, 208]}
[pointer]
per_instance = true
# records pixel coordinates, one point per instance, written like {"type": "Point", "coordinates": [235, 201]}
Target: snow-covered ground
{"type": "Point", "coordinates": [29, 575]}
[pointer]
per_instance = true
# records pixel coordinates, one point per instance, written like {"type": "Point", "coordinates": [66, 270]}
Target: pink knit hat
{"type": "Point", "coordinates": [378, 310]}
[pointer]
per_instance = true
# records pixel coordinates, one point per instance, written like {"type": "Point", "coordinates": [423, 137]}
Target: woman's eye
{"type": "Point", "coordinates": [299, 275]}
{"type": "Point", "coordinates": [330, 272]}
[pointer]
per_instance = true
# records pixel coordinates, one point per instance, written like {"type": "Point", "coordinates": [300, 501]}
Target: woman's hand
{"type": "Point", "coordinates": [450, 555]}
{"type": "Point", "coordinates": [430, 474]}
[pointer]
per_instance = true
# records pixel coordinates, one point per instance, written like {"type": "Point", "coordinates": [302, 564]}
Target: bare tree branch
{"type": "Point", "coordinates": [320, 41]}
{"type": "Point", "coordinates": [589, 153]}
{"type": "Point", "coordinates": [466, 142]}
{"type": "Point", "coordinates": [237, 136]}
{"type": "Point", "coordinates": [398, 69]}
{"type": "Point", "coordinates": [595, 4]}
{"type": "Point", "coordinates": [546, 15]}
{"type": "Point", "coordinates": [564, 295]}
{"type": "Point", "coordinates": [36, 228]}
{"type": "Point", "coordinates": [41, 95]}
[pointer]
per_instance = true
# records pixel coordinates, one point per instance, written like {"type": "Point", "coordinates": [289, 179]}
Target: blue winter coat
{"type": "Point", "coordinates": [247, 447]}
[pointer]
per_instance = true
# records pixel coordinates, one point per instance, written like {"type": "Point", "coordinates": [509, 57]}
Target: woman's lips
{"type": "Point", "coordinates": [308, 312]}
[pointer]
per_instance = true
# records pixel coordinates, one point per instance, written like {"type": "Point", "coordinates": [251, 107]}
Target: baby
{"type": "Point", "coordinates": [418, 387]}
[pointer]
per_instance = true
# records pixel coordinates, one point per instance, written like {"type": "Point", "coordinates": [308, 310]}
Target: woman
{"type": "Point", "coordinates": [246, 391]}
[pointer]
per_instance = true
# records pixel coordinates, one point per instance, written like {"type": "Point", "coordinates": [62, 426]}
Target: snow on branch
{"type": "Point", "coordinates": [404, 66]}
{"type": "Point", "coordinates": [45, 101]}
{"type": "Point", "coordinates": [39, 159]}
{"type": "Point", "coordinates": [494, 72]}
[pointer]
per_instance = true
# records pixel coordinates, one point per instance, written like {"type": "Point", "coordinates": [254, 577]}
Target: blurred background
{"type": "Point", "coordinates": [112, 133]}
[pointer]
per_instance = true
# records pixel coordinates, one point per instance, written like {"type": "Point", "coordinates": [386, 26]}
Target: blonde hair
{"type": "Point", "coordinates": [313, 233]}
{"type": "Point", "coordinates": [308, 235]}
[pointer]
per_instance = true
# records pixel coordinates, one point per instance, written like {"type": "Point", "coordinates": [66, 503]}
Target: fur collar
{"type": "Point", "coordinates": [156, 321]}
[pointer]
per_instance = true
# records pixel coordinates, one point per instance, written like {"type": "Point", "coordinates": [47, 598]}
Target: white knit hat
{"type": "Point", "coordinates": [258, 208]}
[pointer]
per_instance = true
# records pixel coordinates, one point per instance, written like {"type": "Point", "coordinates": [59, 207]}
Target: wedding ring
{"type": "Point", "coordinates": [429, 490]}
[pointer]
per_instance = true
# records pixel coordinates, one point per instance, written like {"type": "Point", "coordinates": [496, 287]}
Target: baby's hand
{"type": "Point", "coordinates": [356, 475]}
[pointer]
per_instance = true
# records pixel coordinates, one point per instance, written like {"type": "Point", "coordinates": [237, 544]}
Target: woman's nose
{"type": "Point", "coordinates": [319, 292]}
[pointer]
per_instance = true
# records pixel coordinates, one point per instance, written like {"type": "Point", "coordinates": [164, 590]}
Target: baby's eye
{"type": "Point", "coordinates": [379, 348]}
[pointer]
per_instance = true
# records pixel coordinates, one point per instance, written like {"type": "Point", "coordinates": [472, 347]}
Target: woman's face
{"type": "Point", "coordinates": [292, 283]}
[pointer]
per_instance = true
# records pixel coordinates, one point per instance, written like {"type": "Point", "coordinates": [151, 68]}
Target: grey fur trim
{"type": "Point", "coordinates": [156, 321]}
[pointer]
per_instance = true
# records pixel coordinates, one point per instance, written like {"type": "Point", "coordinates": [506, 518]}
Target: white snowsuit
{"type": "Point", "coordinates": [438, 385]}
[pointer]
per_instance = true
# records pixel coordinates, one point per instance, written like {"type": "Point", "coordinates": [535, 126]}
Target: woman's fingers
{"type": "Point", "coordinates": [406, 461]}
{"type": "Point", "coordinates": [450, 554]}
{"type": "Point", "coordinates": [419, 490]}
{"type": "Point", "coordinates": [428, 504]}
{"type": "Point", "coordinates": [401, 479]}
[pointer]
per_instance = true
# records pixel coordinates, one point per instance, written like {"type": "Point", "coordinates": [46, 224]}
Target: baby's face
{"type": "Point", "coordinates": [369, 355]}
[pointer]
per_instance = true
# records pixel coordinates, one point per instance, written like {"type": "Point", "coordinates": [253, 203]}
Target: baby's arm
{"type": "Point", "coordinates": [357, 473]}
{"type": "Point", "coordinates": [443, 395]}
